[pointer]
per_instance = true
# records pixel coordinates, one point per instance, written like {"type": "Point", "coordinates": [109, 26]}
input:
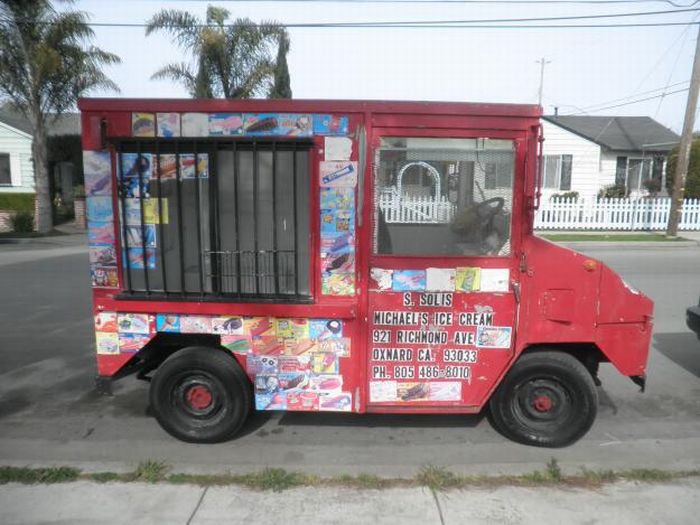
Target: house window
{"type": "Point", "coordinates": [208, 219]}
{"type": "Point", "coordinates": [557, 172]}
{"type": "Point", "coordinates": [638, 172]}
{"type": "Point", "coordinates": [5, 174]}
{"type": "Point", "coordinates": [632, 173]}
{"type": "Point", "coordinates": [498, 175]}
{"type": "Point", "coordinates": [621, 171]}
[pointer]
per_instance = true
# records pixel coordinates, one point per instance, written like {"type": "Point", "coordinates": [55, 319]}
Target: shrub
{"type": "Point", "coordinates": [692, 181]}
{"type": "Point", "coordinates": [653, 186]}
{"type": "Point", "coordinates": [22, 222]}
{"type": "Point", "coordinates": [566, 195]}
{"type": "Point", "coordinates": [614, 191]}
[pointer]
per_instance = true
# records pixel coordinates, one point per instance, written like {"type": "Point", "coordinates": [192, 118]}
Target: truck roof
{"type": "Point", "coordinates": [309, 106]}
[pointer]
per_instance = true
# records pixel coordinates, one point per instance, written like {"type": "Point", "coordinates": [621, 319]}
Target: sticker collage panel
{"type": "Point", "coordinates": [338, 179]}
{"type": "Point", "coordinates": [294, 363]}
{"type": "Point", "coordinates": [173, 124]}
{"type": "Point", "coordinates": [143, 212]}
{"type": "Point", "coordinates": [122, 333]}
{"type": "Point", "coordinates": [462, 279]}
{"type": "Point", "coordinates": [97, 167]}
{"type": "Point", "coordinates": [134, 178]}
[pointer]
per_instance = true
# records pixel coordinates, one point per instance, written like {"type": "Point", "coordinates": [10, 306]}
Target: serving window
{"type": "Point", "coordinates": [215, 219]}
{"type": "Point", "coordinates": [436, 197]}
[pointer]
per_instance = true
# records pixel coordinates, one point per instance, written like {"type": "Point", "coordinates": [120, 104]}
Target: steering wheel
{"type": "Point", "coordinates": [488, 209]}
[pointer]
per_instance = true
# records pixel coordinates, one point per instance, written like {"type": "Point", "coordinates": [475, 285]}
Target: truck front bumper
{"type": "Point", "coordinates": [692, 319]}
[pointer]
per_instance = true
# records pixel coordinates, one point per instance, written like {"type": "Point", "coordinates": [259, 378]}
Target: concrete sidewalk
{"type": "Point", "coordinates": [140, 503]}
{"type": "Point", "coordinates": [23, 250]}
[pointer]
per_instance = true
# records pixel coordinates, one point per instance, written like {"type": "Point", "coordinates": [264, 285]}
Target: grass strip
{"type": "Point", "coordinates": [31, 476]}
{"type": "Point", "coordinates": [434, 477]}
{"type": "Point", "coordinates": [611, 237]}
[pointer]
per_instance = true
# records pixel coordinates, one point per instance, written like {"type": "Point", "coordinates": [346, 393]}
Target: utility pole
{"type": "Point", "coordinates": [684, 150]}
{"type": "Point", "coordinates": [542, 62]}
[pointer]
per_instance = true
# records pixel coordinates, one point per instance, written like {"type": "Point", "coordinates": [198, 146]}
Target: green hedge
{"type": "Point", "coordinates": [17, 202]}
{"type": "Point", "coordinates": [692, 181]}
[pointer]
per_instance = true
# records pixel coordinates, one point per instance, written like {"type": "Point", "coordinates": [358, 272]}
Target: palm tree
{"type": "Point", "coordinates": [231, 60]}
{"type": "Point", "coordinates": [281, 87]}
{"type": "Point", "coordinates": [46, 63]}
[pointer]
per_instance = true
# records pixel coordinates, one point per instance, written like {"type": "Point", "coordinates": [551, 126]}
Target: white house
{"type": "Point", "coordinates": [16, 167]}
{"type": "Point", "coordinates": [587, 153]}
{"type": "Point", "coordinates": [16, 171]}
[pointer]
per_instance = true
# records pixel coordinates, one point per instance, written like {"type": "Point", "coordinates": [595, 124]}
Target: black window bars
{"type": "Point", "coordinates": [215, 219]}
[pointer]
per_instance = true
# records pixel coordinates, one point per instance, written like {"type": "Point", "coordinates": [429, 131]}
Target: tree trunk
{"type": "Point", "coordinates": [44, 212]}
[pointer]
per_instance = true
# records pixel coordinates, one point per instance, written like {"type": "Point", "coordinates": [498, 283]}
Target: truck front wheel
{"type": "Point", "coordinates": [200, 395]}
{"type": "Point", "coordinates": [547, 399]}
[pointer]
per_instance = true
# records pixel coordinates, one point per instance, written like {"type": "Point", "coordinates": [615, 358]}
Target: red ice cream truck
{"type": "Point", "coordinates": [343, 256]}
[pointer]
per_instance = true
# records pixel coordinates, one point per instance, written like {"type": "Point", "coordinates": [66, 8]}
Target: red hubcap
{"type": "Point", "coordinates": [199, 397]}
{"type": "Point", "coordinates": [542, 403]}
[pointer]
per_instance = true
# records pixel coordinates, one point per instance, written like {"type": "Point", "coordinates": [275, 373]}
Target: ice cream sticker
{"type": "Point", "coordinates": [168, 124]}
{"type": "Point", "coordinates": [97, 169]}
{"type": "Point", "coordinates": [440, 279]}
{"type": "Point", "coordinates": [408, 280]}
{"type": "Point", "coordinates": [337, 148]}
{"type": "Point", "coordinates": [225, 124]}
{"type": "Point", "coordinates": [143, 124]}
{"type": "Point", "coordinates": [494, 280]}
{"type": "Point", "coordinates": [330, 125]}
{"type": "Point", "coordinates": [468, 279]}
{"type": "Point", "coordinates": [493, 336]}
{"type": "Point", "coordinates": [334, 174]}
{"type": "Point", "coordinates": [195, 124]}
{"type": "Point", "coordinates": [280, 124]}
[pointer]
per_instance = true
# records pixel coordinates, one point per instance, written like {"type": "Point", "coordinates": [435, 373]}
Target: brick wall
{"type": "Point", "coordinates": [5, 224]}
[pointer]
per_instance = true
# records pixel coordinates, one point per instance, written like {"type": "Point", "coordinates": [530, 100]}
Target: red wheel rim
{"type": "Point", "coordinates": [199, 397]}
{"type": "Point", "coordinates": [542, 403]}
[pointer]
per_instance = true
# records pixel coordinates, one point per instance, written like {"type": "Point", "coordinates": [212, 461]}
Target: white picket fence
{"type": "Point", "coordinates": [412, 209]}
{"type": "Point", "coordinates": [560, 213]}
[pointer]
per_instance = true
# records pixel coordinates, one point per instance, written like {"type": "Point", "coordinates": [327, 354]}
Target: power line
{"type": "Point", "coordinates": [634, 101]}
{"type": "Point", "coordinates": [536, 19]}
{"type": "Point", "coordinates": [670, 76]}
{"type": "Point", "coordinates": [622, 99]}
{"type": "Point", "coordinates": [506, 2]}
{"type": "Point", "coordinates": [360, 25]}
{"type": "Point", "coordinates": [679, 38]}
{"type": "Point", "coordinates": [492, 23]}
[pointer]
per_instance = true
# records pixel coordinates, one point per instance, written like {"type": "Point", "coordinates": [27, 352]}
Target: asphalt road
{"type": "Point", "coordinates": [50, 413]}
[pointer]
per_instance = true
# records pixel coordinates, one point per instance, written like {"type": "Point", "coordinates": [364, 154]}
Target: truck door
{"type": "Point", "coordinates": [441, 302]}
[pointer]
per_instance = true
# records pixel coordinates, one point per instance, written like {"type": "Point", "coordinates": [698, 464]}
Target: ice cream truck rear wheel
{"type": "Point", "coordinates": [200, 395]}
{"type": "Point", "coordinates": [547, 399]}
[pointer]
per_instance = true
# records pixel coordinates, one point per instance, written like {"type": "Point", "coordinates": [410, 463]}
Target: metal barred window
{"type": "Point", "coordinates": [215, 219]}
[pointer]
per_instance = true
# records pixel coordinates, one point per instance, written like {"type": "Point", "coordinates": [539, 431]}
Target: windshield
{"type": "Point", "coordinates": [436, 196]}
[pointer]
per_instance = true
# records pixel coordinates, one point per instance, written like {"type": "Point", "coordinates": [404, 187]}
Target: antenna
{"type": "Point", "coordinates": [542, 62]}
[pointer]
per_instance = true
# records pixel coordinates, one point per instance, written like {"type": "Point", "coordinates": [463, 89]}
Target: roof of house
{"type": "Point", "coordinates": [619, 133]}
{"type": "Point", "coordinates": [65, 124]}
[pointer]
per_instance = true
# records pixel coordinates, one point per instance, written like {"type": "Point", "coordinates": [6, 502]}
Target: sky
{"type": "Point", "coordinates": [588, 69]}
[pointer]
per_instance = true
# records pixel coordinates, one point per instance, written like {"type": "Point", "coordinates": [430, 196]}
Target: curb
{"type": "Point", "coordinates": [22, 240]}
{"type": "Point", "coordinates": [49, 240]}
{"type": "Point", "coordinates": [568, 467]}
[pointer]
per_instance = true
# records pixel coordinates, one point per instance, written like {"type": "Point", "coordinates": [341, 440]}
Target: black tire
{"type": "Point", "coordinates": [547, 399]}
{"type": "Point", "coordinates": [200, 395]}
